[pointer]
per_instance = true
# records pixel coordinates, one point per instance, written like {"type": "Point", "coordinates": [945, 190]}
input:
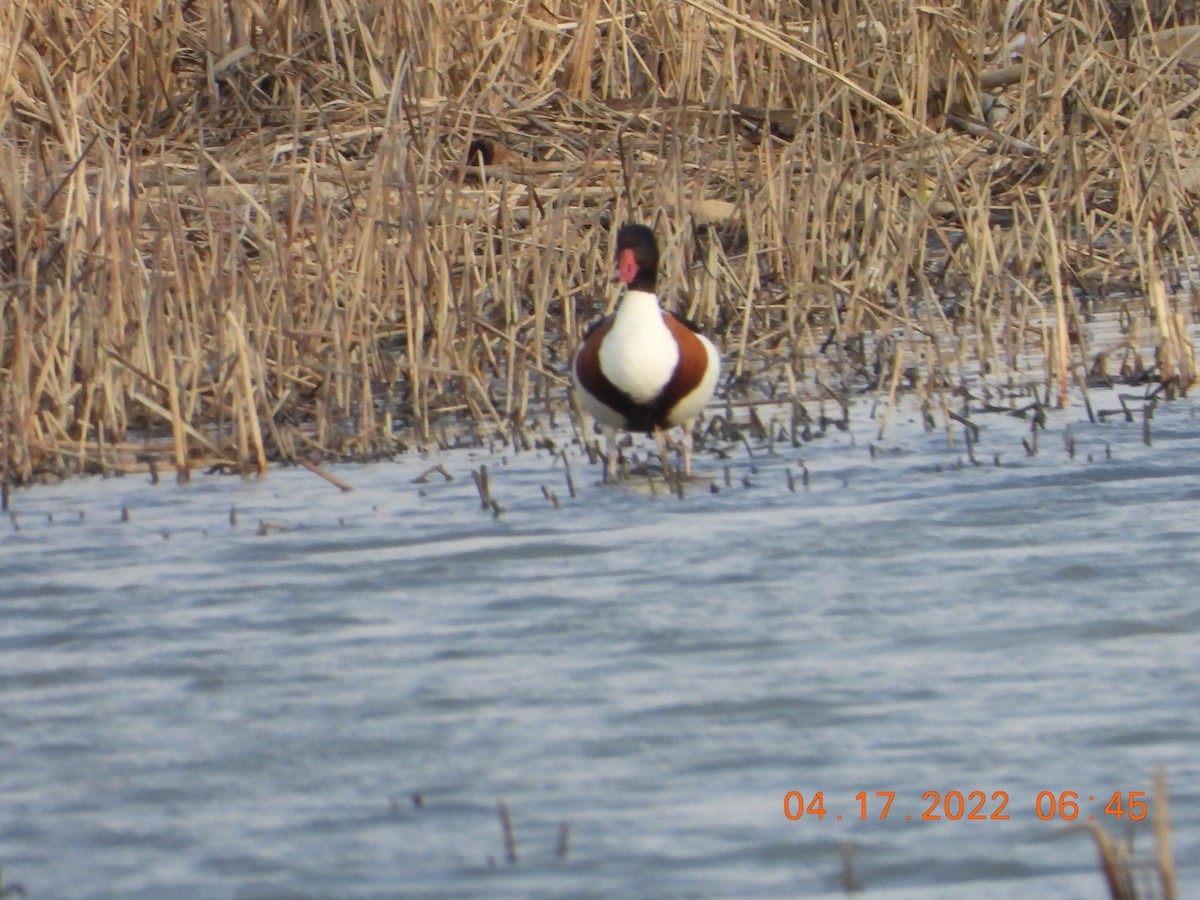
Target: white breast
{"type": "Point", "coordinates": [639, 354]}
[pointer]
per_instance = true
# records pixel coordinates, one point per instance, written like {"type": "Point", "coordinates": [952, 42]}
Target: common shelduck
{"type": "Point", "coordinates": [642, 369]}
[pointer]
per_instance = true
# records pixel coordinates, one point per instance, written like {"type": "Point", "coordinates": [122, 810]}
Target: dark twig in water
{"type": "Point", "coordinates": [757, 429]}
{"type": "Point", "coordinates": [746, 442]}
{"type": "Point", "coordinates": [569, 476]}
{"type": "Point", "coordinates": [520, 441]}
{"type": "Point", "coordinates": [440, 469]}
{"type": "Point", "coordinates": [10, 890]}
{"type": "Point", "coordinates": [1031, 445]}
{"type": "Point", "coordinates": [1087, 405]}
{"type": "Point", "coordinates": [563, 848]}
{"type": "Point", "coordinates": [801, 423]}
{"type": "Point", "coordinates": [971, 440]}
{"type": "Point", "coordinates": [507, 831]}
{"type": "Point", "coordinates": [1125, 408]}
{"type": "Point", "coordinates": [551, 496]}
{"type": "Point", "coordinates": [480, 477]}
{"type": "Point", "coordinates": [850, 884]}
{"type": "Point", "coordinates": [972, 428]}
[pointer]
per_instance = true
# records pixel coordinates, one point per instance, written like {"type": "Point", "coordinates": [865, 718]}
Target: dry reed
{"type": "Point", "coordinates": [231, 233]}
{"type": "Point", "coordinates": [1129, 878]}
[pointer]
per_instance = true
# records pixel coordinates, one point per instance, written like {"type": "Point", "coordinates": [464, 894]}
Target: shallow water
{"type": "Point", "coordinates": [189, 708]}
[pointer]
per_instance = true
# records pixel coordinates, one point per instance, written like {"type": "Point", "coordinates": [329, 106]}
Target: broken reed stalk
{"type": "Point", "coordinates": [328, 476]}
{"type": "Point", "coordinates": [1062, 346]}
{"type": "Point", "coordinates": [249, 222]}
{"type": "Point", "coordinates": [1176, 352]}
{"type": "Point", "coordinates": [480, 477]}
{"type": "Point", "coordinates": [178, 435]}
{"type": "Point", "coordinates": [246, 382]}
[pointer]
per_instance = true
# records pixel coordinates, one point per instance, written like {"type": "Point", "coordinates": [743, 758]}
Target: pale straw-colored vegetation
{"type": "Point", "coordinates": [240, 231]}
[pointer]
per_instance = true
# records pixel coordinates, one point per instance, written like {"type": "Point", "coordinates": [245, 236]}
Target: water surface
{"type": "Point", "coordinates": [333, 708]}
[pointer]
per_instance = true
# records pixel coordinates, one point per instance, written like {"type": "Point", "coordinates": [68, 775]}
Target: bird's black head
{"type": "Point", "coordinates": [637, 257]}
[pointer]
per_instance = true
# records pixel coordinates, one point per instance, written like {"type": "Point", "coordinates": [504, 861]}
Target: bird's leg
{"type": "Point", "coordinates": [610, 456]}
{"type": "Point", "coordinates": [660, 435]}
{"type": "Point", "coordinates": [685, 449]}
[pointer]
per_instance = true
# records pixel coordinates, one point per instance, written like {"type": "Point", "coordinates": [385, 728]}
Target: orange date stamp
{"type": "Point", "coordinates": [969, 806]}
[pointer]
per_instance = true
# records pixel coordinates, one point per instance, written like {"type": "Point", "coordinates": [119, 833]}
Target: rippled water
{"type": "Point", "coordinates": [189, 708]}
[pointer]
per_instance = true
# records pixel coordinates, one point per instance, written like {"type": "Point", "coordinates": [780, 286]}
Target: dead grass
{"type": "Point", "coordinates": [1129, 878]}
{"type": "Point", "coordinates": [249, 230]}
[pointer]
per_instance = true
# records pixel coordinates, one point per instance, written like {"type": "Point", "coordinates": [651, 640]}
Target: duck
{"type": "Point", "coordinates": [643, 369]}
